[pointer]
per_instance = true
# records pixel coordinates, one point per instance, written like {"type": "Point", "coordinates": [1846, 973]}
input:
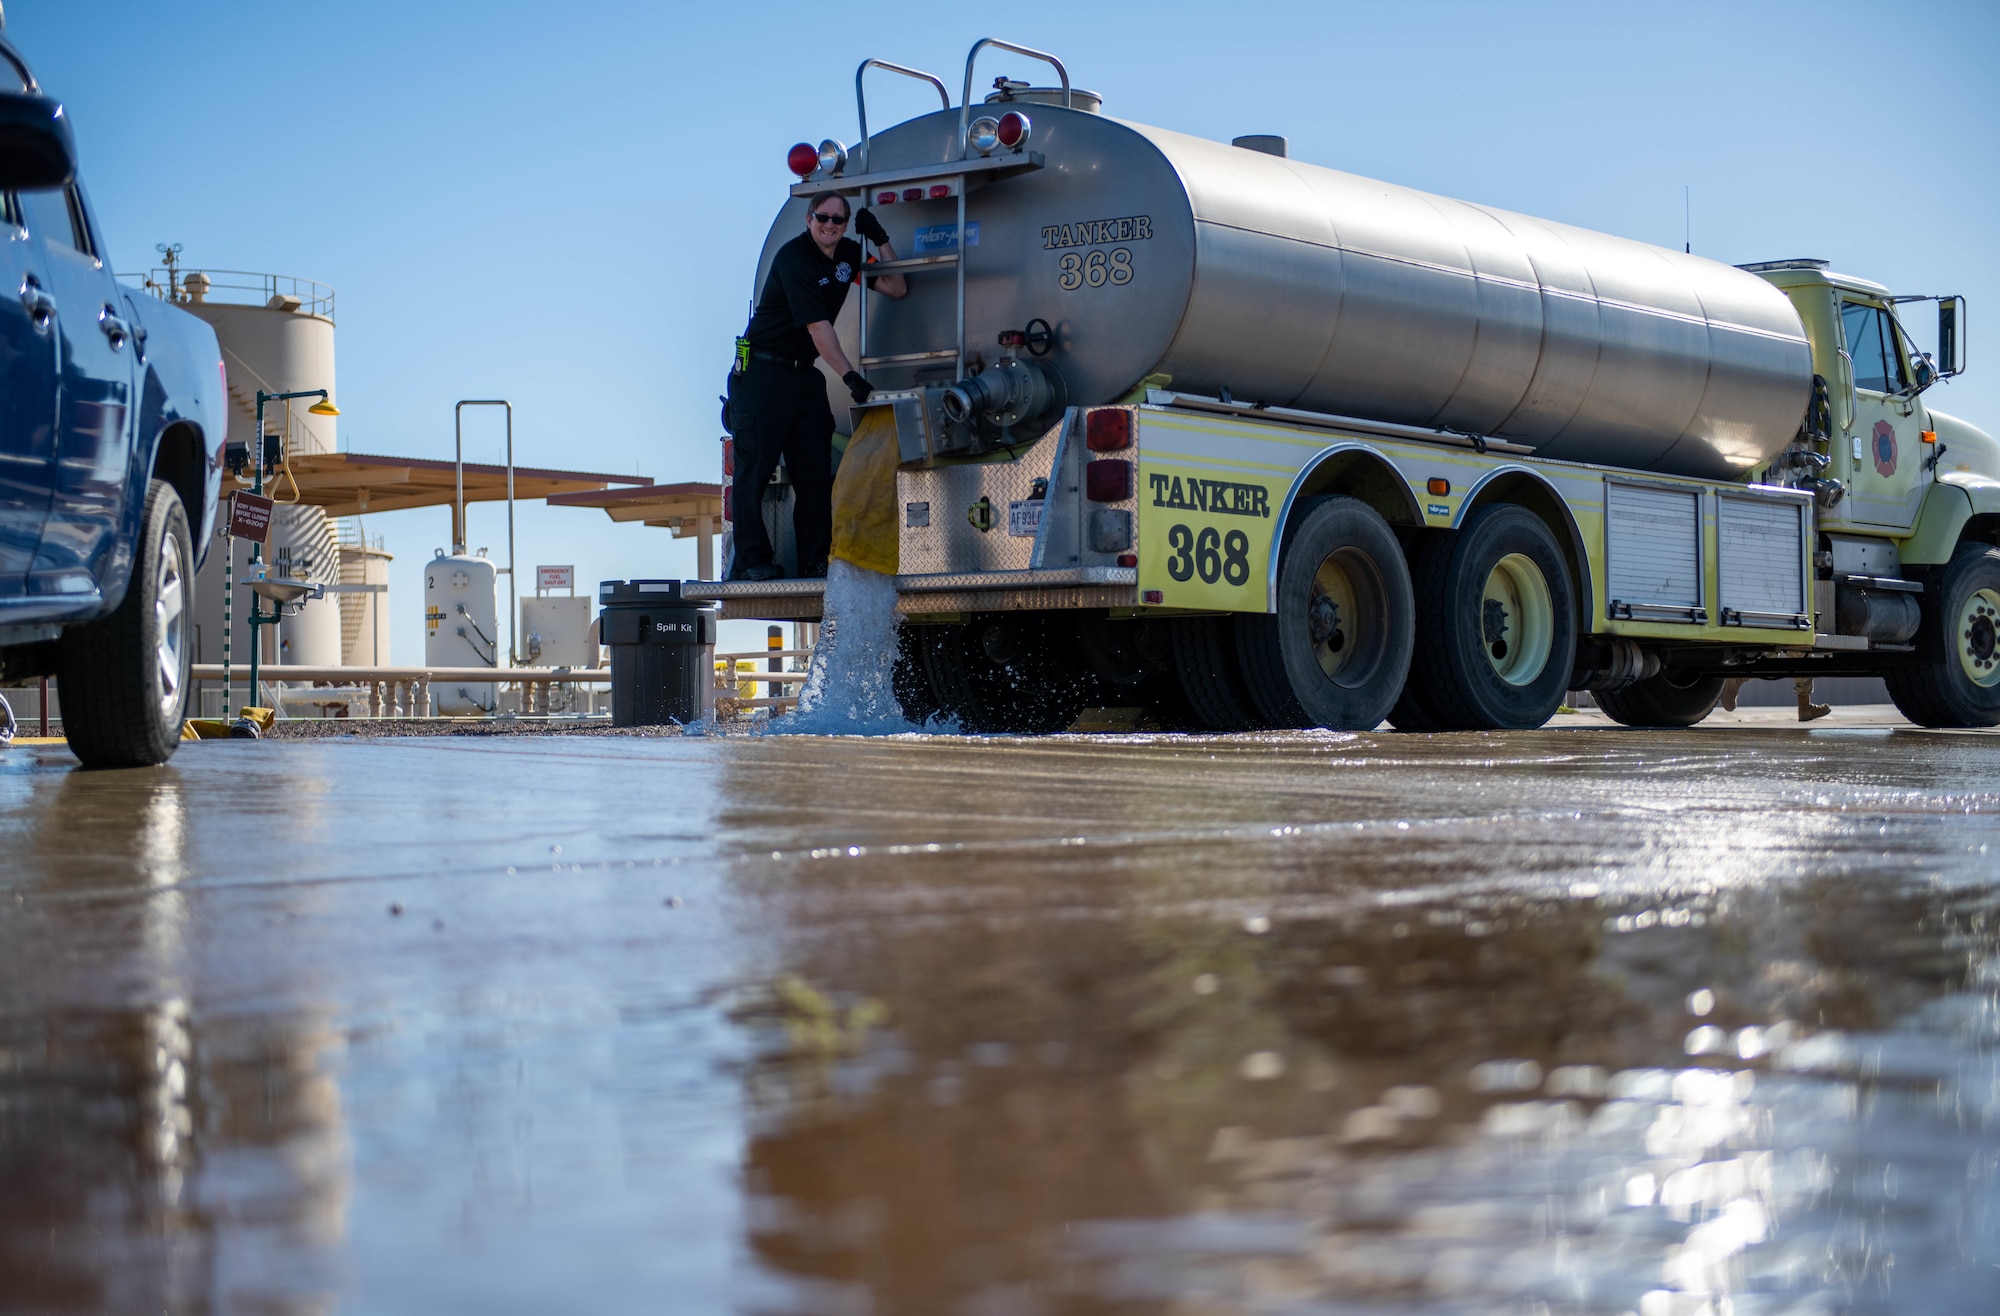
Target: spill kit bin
{"type": "Point", "coordinates": [662, 652]}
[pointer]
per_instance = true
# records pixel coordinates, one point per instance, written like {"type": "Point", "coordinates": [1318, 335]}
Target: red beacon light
{"type": "Point", "coordinates": [1014, 130]}
{"type": "Point", "coordinates": [885, 198]}
{"type": "Point", "coordinates": [913, 194]}
{"type": "Point", "coordinates": [802, 159]}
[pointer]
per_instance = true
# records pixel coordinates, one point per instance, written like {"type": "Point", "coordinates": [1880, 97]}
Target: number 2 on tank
{"type": "Point", "coordinates": [1096, 269]}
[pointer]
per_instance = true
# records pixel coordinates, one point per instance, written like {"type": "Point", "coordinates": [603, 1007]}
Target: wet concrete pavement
{"type": "Point", "coordinates": [1578, 1020]}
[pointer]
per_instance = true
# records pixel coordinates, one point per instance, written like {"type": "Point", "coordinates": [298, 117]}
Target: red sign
{"type": "Point", "coordinates": [548, 578]}
{"type": "Point", "coordinates": [250, 517]}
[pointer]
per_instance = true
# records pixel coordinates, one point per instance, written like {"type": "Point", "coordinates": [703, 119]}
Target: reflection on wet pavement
{"type": "Point", "coordinates": [1565, 1021]}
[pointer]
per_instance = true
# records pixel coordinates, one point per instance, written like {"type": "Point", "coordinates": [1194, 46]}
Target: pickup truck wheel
{"type": "Point", "coordinates": [1337, 652]}
{"type": "Point", "coordinates": [1675, 697]}
{"type": "Point", "coordinates": [1959, 683]}
{"type": "Point", "coordinates": [124, 678]}
{"type": "Point", "coordinates": [1210, 676]}
{"type": "Point", "coordinates": [1497, 631]}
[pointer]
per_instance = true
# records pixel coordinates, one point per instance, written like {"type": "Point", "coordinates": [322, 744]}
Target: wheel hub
{"type": "Point", "coordinates": [1517, 620]}
{"type": "Point", "coordinates": [170, 622]}
{"type": "Point", "coordinates": [1324, 619]}
{"type": "Point", "coordinates": [1979, 637]}
{"type": "Point", "coordinates": [1346, 616]}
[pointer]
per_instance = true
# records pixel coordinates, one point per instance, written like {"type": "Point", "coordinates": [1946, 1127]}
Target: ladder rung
{"type": "Point", "coordinates": [910, 263]}
{"type": "Point", "coordinates": [904, 358]}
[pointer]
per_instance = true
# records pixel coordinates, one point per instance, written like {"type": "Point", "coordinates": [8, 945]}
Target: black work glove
{"type": "Point", "coordinates": [870, 227]}
{"type": "Point", "coordinates": [857, 386]}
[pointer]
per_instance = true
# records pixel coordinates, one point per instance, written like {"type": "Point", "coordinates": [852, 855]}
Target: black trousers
{"type": "Point", "coordinates": [782, 412]}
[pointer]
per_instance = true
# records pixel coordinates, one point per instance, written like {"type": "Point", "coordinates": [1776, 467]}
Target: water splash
{"type": "Point", "coordinates": [850, 688]}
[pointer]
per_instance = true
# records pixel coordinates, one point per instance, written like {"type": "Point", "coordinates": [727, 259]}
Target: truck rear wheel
{"type": "Point", "coordinates": [1001, 672]}
{"type": "Point", "coordinates": [1959, 683]}
{"type": "Point", "coordinates": [910, 682]}
{"type": "Point", "coordinates": [1210, 676]}
{"type": "Point", "coordinates": [125, 678]}
{"type": "Point", "coordinates": [1337, 651]}
{"type": "Point", "coordinates": [1496, 634]}
{"type": "Point", "coordinates": [1675, 697]}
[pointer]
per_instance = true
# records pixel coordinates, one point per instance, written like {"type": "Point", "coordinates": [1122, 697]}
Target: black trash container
{"type": "Point", "coordinates": [662, 652]}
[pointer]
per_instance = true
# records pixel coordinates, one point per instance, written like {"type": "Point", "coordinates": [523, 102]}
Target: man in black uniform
{"type": "Point", "coordinates": [780, 403]}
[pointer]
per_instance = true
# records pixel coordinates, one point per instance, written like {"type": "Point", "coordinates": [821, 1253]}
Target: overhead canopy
{"type": "Point", "coordinates": [348, 483]}
{"type": "Point", "coordinates": [688, 509]}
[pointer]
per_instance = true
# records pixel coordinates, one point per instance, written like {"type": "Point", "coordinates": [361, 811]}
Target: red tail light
{"type": "Point", "coordinates": [885, 198]}
{"type": "Point", "coordinates": [728, 503]}
{"type": "Point", "coordinates": [802, 159]}
{"type": "Point", "coordinates": [729, 456]}
{"type": "Point", "coordinates": [1109, 430]}
{"type": "Point", "coordinates": [1128, 559]}
{"type": "Point", "coordinates": [913, 194]}
{"type": "Point", "coordinates": [1014, 129]}
{"type": "Point", "coordinates": [1107, 481]}
{"type": "Point", "coordinates": [940, 190]}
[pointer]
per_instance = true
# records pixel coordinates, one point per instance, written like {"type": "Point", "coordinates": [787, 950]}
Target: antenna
{"type": "Point", "coordinates": [170, 254]}
{"type": "Point", "coordinates": [1687, 220]}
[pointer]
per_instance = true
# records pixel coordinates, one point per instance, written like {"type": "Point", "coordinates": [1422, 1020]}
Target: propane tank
{"type": "Point", "coordinates": [461, 628]}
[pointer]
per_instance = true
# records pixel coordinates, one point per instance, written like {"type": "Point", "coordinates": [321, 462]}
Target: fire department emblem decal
{"type": "Point", "coordinates": [1883, 448]}
{"type": "Point", "coordinates": [843, 272]}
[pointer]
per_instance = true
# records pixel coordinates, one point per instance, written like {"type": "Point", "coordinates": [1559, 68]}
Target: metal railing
{"type": "Point", "coordinates": [252, 288]}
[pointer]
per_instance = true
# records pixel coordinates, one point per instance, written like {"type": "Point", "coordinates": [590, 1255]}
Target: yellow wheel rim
{"type": "Point", "coordinates": [1346, 616]}
{"type": "Point", "coordinates": [1977, 637]}
{"type": "Point", "coordinates": [1517, 620]}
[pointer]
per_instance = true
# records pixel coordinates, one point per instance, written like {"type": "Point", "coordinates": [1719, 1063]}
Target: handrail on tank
{"type": "Point", "coordinates": [861, 102]}
{"type": "Point", "coordinates": [458, 504]}
{"type": "Point", "coordinates": [965, 103]}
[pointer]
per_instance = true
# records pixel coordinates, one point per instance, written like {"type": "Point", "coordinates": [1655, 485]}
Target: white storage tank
{"type": "Point", "coordinates": [461, 628]}
{"type": "Point", "coordinates": [276, 333]}
{"type": "Point", "coordinates": [364, 610]}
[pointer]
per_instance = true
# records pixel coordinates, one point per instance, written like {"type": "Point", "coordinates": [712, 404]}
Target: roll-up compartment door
{"type": "Point", "coordinates": [1652, 547]}
{"type": "Point", "coordinates": [1761, 561]}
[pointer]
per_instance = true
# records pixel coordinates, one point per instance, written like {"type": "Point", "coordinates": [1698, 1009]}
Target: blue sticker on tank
{"type": "Point", "coordinates": [944, 237]}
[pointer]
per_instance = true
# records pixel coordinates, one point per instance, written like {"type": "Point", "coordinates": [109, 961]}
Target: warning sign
{"type": "Point", "coordinates": [553, 578]}
{"type": "Point", "coordinates": [250, 517]}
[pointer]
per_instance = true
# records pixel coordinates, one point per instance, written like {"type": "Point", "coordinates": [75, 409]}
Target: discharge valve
{"type": "Point", "coordinates": [1013, 393]}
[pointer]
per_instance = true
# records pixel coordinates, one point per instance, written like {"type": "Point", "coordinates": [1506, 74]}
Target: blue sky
{"type": "Point", "coordinates": [563, 204]}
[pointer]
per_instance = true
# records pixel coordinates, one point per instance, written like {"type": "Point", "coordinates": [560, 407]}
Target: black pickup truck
{"type": "Point", "coordinates": [112, 420]}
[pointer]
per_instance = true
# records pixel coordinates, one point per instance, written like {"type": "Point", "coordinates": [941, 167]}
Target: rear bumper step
{"type": "Point", "coordinates": [966, 591]}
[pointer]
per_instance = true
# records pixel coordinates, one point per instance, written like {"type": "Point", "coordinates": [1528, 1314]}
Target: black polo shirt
{"type": "Point", "coordinates": [803, 286]}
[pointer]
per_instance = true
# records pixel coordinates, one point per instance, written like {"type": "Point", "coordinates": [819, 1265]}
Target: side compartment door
{"type": "Point", "coordinates": [1883, 447]}
{"type": "Point", "coordinates": [27, 400]}
{"type": "Point", "coordinates": [93, 444]}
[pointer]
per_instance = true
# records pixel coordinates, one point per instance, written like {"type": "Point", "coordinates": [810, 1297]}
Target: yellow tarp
{"type": "Point", "coordinates": [864, 495]}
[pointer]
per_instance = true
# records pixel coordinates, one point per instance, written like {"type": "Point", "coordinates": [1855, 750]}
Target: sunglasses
{"type": "Point", "coordinates": [836, 220]}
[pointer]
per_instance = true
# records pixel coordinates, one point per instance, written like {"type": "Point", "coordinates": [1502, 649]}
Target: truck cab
{"type": "Point", "coordinates": [112, 421]}
{"type": "Point", "coordinates": [1887, 447]}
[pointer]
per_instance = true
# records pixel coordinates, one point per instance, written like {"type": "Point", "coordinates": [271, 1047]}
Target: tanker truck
{"type": "Point", "coordinates": [1258, 444]}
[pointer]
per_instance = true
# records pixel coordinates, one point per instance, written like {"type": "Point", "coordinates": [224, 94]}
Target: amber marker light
{"type": "Point", "coordinates": [1928, 436]}
{"type": "Point", "coordinates": [1438, 486]}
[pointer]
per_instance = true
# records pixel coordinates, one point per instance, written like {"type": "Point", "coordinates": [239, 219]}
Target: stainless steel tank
{"type": "Point", "coordinates": [1286, 283]}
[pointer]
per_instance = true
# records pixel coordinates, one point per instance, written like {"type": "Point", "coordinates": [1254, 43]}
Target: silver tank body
{"type": "Point", "coordinates": [1294, 285]}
